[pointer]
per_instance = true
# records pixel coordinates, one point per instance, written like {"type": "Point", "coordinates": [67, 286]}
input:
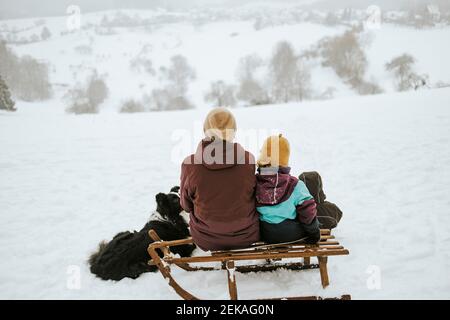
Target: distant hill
{"type": "Point", "coordinates": [384, 4]}
{"type": "Point", "coordinates": [32, 8]}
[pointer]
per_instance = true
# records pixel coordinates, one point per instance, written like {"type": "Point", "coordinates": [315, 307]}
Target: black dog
{"type": "Point", "coordinates": [126, 254]}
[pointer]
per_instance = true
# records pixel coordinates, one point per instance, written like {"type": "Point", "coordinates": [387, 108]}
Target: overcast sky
{"type": "Point", "coordinates": [32, 8]}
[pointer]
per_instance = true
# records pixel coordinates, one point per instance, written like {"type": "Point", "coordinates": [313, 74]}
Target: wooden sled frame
{"type": "Point", "coordinates": [271, 253]}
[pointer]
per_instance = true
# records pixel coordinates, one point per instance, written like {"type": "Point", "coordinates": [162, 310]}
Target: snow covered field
{"type": "Point", "coordinates": [213, 49]}
{"type": "Point", "coordinates": [67, 182]}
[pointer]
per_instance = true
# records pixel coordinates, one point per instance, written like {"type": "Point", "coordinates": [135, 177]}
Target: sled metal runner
{"type": "Point", "coordinates": [272, 256]}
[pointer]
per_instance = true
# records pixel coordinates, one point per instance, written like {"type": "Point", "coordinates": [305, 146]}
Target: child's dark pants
{"type": "Point", "coordinates": [290, 230]}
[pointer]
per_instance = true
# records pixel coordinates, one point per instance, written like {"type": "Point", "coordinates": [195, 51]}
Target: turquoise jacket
{"type": "Point", "coordinates": [286, 209]}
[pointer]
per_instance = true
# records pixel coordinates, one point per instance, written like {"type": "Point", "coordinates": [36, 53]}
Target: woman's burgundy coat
{"type": "Point", "coordinates": [219, 194]}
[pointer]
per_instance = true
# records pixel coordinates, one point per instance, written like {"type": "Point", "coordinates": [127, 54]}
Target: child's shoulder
{"type": "Point", "coordinates": [301, 189]}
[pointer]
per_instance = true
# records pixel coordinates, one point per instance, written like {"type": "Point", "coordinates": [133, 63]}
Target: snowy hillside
{"type": "Point", "coordinates": [212, 45]}
{"type": "Point", "coordinates": [68, 182]}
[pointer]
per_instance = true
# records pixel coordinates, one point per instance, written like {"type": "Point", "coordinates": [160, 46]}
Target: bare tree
{"type": "Point", "coordinates": [132, 106]}
{"type": "Point", "coordinates": [221, 94]}
{"type": "Point", "coordinates": [96, 91]}
{"type": "Point", "coordinates": [252, 92]}
{"type": "Point", "coordinates": [345, 55]}
{"type": "Point", "coordinates": [167, 99]}
{"type": "Point", "coordinates": [248, 65]}
{"type": "Point", "coordinates": [327, 94]}
{"type": "Point", "coordinates": [87, 99]}
{"type": "Point", "coordinates": [180, 73]}
{"type": "Point", "coordinates": [9, 66]}
{"type": "Point", "coordinates": [401, 66]}
{"type": "Point", "coordinates": [34, 84]}
{"type": "Point", "coordinates": [301, 82]}
{"type": "Point", "coordinates": [27, 78]}
{"type": "Point", "coordinates": [142, 64]}
{"type": "Point", "coordinates": [173, 95]}
{"type": "Point", "coordinates": [250, 89]}
{"type": "Point", "coordinates": [160, 99]}
{"type": "Point", "coordinates": [368, 88]}
{"type": "Point", "coordinates": [289, 78]}
{"type": "Point", "coordinates": [417, 82]}
{"type": "Point", "coordinates": [282, 71]}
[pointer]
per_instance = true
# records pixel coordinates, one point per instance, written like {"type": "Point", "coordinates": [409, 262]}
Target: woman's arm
{"type": "Point", "coordinates": [185, 195]}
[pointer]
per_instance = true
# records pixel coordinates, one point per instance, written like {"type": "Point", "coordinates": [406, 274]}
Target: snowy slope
{"type": "Point", "coordinates": [68, 182]}
{"type": "Point", "coordinates": [213, 49]}
{"type": "Point", "coordinates": [427, 47]}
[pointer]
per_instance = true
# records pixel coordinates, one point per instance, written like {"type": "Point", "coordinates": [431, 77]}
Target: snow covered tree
{"type": "Point", "coordinates": [132, 106]}
{"type": "Point", "coordinates": [9, 65]}
{"type": "Point", "coordinates": [142, 64]}
{"type": "Point", "coordinates": [180, 73]}
{"type": "Point", "coordinates": [344, 54]}
{"type": "Point", "coordinates": [27, 78]}
{"type": "Point", "coordinates": [5, 97]}
{"type": "Point", "coordinates": [173, 95]}
{"type": "Point", "coordinates": [252, 92]}
{"type": "Point", "coordinates": [417, 82]}
{"type": "Point", "coordinates": [34, 84]}
{"type": "Point", "coordinates": [167, 99]}
{"type": "Point", "coordinates": [289, 79]}
{"type": "Point", "coordinates": [45, 33]}
{"type": "Point", "coordinates": [97, 91]}
{"type": "Point", "coordinates": [250, 89]}
{"type": "Point", "coordinates": [248, 66]}
{"type": "Point", "coordinates": [406, 78]}
{"type": "Point", "coordinates": [87, 99]}
{"type": "Point", "coordinates": [282, 68]}
{"type": "Point", "coordinates": [301, 83]}
{"type": "Point", "coordinates": [367, 88]}
{"type": "Point", "coordinates": [221, 94]}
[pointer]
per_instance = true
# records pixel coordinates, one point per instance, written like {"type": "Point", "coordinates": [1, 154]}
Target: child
{"type": "Point", "coordinates": [287, 211]}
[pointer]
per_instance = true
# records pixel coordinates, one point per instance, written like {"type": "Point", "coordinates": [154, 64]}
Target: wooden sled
{"type": "Point", "coordinates": [272, 254]}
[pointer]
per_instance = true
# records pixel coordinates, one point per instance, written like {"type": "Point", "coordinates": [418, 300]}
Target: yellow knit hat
{"type": "Point", "coordinates": [220, 123]}
{"type": "Point", "coordinates": [275, 152]}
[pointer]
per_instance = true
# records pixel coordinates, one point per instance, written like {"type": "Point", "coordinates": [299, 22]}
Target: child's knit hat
{"type": "Point", "coordinates": [275, 152]}
{"type": "Point", "coordinates": [220, 123]}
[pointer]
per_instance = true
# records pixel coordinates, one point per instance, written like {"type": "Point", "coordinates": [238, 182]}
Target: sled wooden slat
{"type": "Point", "coordinates": [256, 256]}
{"type": "Point", "coordinates": [343, 297]}
{"type": "Point", "coordinates": [328, 244]}
{"type": "Point", "coordinates": [271, 254]}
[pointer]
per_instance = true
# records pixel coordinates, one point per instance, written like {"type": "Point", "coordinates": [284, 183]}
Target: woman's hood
{"type": "Point", "coordinates": [216, 154]}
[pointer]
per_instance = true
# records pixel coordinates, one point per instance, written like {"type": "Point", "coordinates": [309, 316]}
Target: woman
{"type": "Point", "coordinates": [218, 187]}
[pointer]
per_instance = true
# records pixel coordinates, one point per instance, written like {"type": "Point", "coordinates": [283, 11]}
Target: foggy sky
{"type": "Point", "coordinates": [10, 9]}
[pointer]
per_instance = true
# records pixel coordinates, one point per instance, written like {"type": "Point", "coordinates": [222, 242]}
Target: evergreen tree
{"type": "Point", "coordinates": [5, 97]}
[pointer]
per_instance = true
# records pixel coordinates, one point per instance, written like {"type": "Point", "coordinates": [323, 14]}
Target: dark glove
{"type": "Point", "coordinates": [312, 231]}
